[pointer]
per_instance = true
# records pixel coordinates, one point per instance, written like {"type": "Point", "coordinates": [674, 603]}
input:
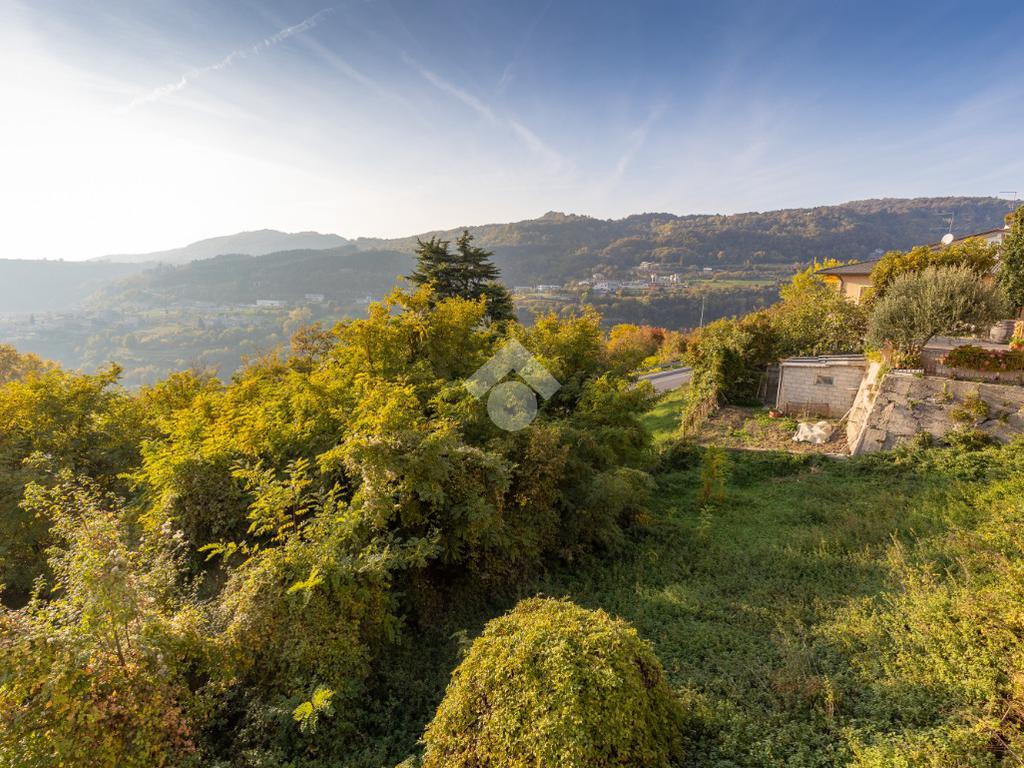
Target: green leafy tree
{"type": "Point", "coordinates": [14, 365]}
{"type": "Point", "coordinates": [918, 306]}
{"type": "Point", "coordinates": [550, 684]}
{"type": "Point", "coordinates": [49, 421]}
{"type": "Point", "coordinates": [815, 319]}
{"type": "Point", "coordinates": [467, 273]}
{"type": "Point", "coordinates": [630, 345]}
{"type": "Point", "coordinates": [93, 671]}
{"type": "Point", "coordinates": [973, 254]}
{"type": "Point", "coordinates": [1011, 260]}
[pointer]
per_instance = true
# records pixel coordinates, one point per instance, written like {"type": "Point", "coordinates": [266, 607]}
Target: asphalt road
{"type": "Point", "coordinates": [664, 381]}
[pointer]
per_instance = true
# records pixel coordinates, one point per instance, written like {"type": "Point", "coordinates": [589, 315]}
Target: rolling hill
{"type": "Point", "coordinates": [550, 249]}
{"type": "Point", "coordinates": [343, 275]}
{"type": "Point", "coordinates": [54, 286]}
{"type": "Point", "coordinates": [559, 246]}
{"type": "Point", "coordinates": [256, 243]}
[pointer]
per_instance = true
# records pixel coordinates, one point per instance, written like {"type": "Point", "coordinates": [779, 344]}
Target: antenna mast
{"type": "Point", "coordinates": [952, 218]}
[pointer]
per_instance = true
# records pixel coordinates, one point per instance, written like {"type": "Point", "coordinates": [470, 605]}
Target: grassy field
{"type": "Point", "coordinates": [663, 419]}
{"type": "Point", "coordinates": [750, 602]}
{"type": "Point", "coordinates": [734, 597]}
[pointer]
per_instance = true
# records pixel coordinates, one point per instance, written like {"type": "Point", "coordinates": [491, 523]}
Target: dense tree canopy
{"type": "Point", "coordinates": [307, 501]}
{"type": "Point", "coordinates": [467, 273]}
{"type": "Point", "coordinates": [973, 254]}
{"type": "Point", "coordinates": [1011, 260]}
{"type": "Point", "coordinates": [814, 318]}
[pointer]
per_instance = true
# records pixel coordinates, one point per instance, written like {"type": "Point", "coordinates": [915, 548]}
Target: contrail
{"type": "Point", "coordinates": [532, 141]}
{"type": "Point", "coordinates": [242, 53]}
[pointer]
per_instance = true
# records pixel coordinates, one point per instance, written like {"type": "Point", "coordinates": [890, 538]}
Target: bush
{"type": "Point", "coordinates": [814, 318]}
{"type": "Point", "coordinates": [103, 673]}
{"type": "Point", "coordinates": [939, 300]}
{"type": "Point", "coordinates": [553, 684]}
{"type": "Point", "coordinates": [1011, 271]}
{"type": "Point", "coordinates": [974, 255]}
{"type": "Point", "coordinates": [980, 359]}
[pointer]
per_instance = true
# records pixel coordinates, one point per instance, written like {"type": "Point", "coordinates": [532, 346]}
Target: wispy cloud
{"type": "Point", "coordinates": [508, 74]}
{"type": "Point", "coordinates": [242, 53]}
{"type": "Point", "coordinates": [529, 139]}
{"type": "Point", "coordinates": [638, 137]}
{"type": "Point", "coordinates": [374, 86]}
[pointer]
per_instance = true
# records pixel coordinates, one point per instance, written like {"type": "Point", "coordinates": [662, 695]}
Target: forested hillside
{"type": "Point", "coordinates": [558, 246]}
{"type": "Point", "coordinates": [54, 286]}
{"type": "Point", "coordinates": [250, 243]}
{"type": "Point", "coordinates": [552, 249]}
{"type": "Point", "coordinates": [342, 275]}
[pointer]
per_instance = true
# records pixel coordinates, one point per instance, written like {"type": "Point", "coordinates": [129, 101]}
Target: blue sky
{"type": "Point", "coordinates": [141, 125]}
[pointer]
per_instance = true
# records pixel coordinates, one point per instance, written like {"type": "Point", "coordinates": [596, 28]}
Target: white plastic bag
{"type": "Point", "coordinates": [816, 433]}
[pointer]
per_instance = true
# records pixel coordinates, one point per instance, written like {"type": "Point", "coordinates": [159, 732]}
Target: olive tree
{"type": "Point", "coordinates": [919, 306]}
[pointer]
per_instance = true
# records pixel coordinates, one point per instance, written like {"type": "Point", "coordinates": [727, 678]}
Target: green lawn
{"type": "Point", "coordinates": [748, 602]}
{"type": "Point", "coordinates": [663, 419]}
{"type": "Point", "coordinates": [734, 599]}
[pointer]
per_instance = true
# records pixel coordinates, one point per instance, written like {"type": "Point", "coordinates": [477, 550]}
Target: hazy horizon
{"type": "Point", "coordinates": [144, 128]}
{"type": "Point", "coordinates": [470, 225]}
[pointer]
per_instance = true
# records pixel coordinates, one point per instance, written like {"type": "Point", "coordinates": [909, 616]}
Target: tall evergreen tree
{"type": "Point", "coordinates": [436, 265]}
{"type": "Point", "coordinates": [467, 273]}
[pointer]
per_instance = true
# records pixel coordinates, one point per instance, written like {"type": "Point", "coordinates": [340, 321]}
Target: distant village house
{"type": "Point", "coordinates": [852, 280]}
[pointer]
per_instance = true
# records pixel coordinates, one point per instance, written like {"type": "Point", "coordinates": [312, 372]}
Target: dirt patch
{"type": "Point", "coordinates": [755, 429]}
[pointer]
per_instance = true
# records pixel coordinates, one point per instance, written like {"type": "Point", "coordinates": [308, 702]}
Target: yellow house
{"type": "Point", "coordinates": [853, 279]}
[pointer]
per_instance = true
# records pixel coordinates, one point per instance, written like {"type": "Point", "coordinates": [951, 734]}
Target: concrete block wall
{"type": "Point", "coordinates": [800, 391]}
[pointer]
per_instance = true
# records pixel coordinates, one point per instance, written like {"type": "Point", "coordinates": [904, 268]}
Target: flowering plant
{"type": "Point", "coordinates": [980, 359]}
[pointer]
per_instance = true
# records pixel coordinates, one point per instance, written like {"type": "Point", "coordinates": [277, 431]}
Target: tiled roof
{"type": "Point", "coordinates": [861, 268]}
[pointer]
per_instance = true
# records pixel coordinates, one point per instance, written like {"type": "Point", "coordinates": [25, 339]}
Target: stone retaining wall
{"type": "Point", "coordinates": [972, 374]}
{"type": "Point", "coordinates": [903, 405]}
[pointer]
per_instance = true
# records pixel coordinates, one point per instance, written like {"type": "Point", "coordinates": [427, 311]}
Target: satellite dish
{"type": "Point", "coordinates": [948, 238]}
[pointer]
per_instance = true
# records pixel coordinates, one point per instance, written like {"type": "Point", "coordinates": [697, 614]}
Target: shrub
{"type": "Point", "coordinates": [553, 684]}
{"type": "Point", "coordinates": [1011, 272]}
{"type": "Point", "coordinates": [713, 473]}
{"type": "Point", "coordinates": [921, 305]}
{"type": "Point", "coordinates": [980, 359]}
{"type": "Point", "coordinates": [973, 255]}
{"type": "Point", "coordinates": [969, 439]}
{"type": "Point", "coordinates": [100, 673]}
{"type": "Point", "coordinates": [629, 345]}
{"type": "Point", "coordinates": [728, 358]}
{"type": "Point", "coordinates": [814, 318]}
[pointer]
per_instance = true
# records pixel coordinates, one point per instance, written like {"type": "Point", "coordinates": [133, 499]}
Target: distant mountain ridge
{"type": "Point", "coordinates": [256, 243]}
{"type": "Point", "coordinates": [550, 249]}
{"type": "Point", "coordinates": [343, 275]}
{"type": "Point", "coordinates": [559, 246]}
